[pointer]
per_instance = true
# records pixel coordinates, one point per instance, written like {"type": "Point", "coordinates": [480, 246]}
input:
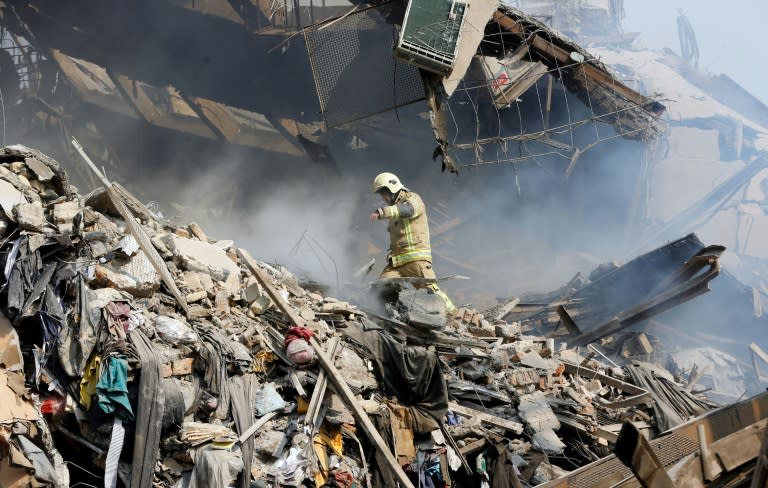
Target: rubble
{"type": "Point", "coordinates": [239, 380]}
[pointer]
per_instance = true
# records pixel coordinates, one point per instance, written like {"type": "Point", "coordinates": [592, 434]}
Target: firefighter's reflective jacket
{"type": "Point", "coordinates": [408, 229]}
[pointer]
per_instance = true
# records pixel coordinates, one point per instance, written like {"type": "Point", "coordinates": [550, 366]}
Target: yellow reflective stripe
{"type": "Point", "coordinates": [390, 212]}
{"type": "Point", "coordinates": [407, 257]}
{"type": "Point", "coordinates": [408, 234]}
{"type": "Point", "coordinates": [418, 206]}
{"type": "Point", "coordinates": [450, 308]}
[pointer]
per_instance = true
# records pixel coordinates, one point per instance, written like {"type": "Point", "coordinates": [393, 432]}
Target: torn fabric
{"type": "Point", "coordinates": [112, 388]}
{"type": "Point", "coordinates": [412, 374]}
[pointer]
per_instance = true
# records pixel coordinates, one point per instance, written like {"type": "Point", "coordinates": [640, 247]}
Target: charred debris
{"type": "Point", "coordinates": [137, 352]}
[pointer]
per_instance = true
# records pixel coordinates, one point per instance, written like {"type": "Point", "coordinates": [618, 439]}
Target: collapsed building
{"type": "Point", "coordinates": [147, 353]}
{"type": "Point", "coordinates": [159, 356]}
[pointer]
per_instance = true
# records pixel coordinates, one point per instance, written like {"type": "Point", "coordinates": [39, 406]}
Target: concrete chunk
{"type": "Point", "coordinates": [197, 231]}
{"type": "Point", "coordinates": [548, 442]}
{"type": "Point", "coordinates": [252, 293]}
{"type": "Point", "coordinates": [29, 216]}
{"type": "Point", "coordinates": [136, 277]}
{"type": "Point", "coordinates": [535, 411]}
{"type": "Point", "coordinates": [423, 308]}
{"type": "Point", "coordinates": [192, 281]}
{"type": "Point", "coordinates": [260, 305]}
{"type": "Point", "coordinates": [9, 198]}
{"type": "Point", "coordinates": [206, 258]}
{"type": "Point", "coordinates": [39, 169]}
{"type": "Point", "coordinates": [65, 212]}
{"type": "Point", "coordinates": [533, 359]}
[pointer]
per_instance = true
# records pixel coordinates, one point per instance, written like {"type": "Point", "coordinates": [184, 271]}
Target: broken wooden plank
{"type": "Point", "coordinates": [636, 453]}
{"type": "Point", "coordinates": [609, 436]}
{"type": "Point", "coordinates": [253, 428]}
{"type": "Point", "coordinates": [266, 283]}
{"type": "Point", "coordinates": [760, 478]}
{"type": "Point", "coordinates": [639, 395]}
{"type": "Point", "coordinates": [335, 377]}
{"type": "Point", "coordinates": [137, 231]}
{"type": "Point", "coordinates": [297, 385]}
{"type": "Point", "coordinates": [320, 386]}
{"type": "Point", "coordinates": [486, 418]}
{"type": "Point", "coordinates": [345, 392]}
{"type": "Point", "coordinates": [452, 443]}
{"type": "Point", "coordinates": [610, 432]}
{"type": "Point", "coordinates": [135, 205]}
{"type": "Point", "coordinates": [741, 447]}
{"type": "Point", "coordinates": [709, 466]}
{"type": "Point", "coordinates": [568, 321]}
{"type": "Point", "coordinates": [507, 308]}
{"type": "Point", "coordinates": [473, 447]}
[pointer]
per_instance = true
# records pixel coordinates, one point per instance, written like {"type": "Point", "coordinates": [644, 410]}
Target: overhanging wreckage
{"type": "Point", "coordinates": [515, 89]}
{"type": "Point", "coordinates": [527, 50]}
{"type": "Point", "coordinates": [511, 52]}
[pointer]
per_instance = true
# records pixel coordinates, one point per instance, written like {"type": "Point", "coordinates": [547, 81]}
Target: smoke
{"type": "Point", "coordinates": [512, 229]}
{"type": "Point", "coordinates": [724, 46]}
{"type": "Point", "coordinates": [515, 228]}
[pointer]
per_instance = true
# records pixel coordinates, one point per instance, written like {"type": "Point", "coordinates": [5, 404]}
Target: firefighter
{"type": "Point", "coordinates": [410, 254]}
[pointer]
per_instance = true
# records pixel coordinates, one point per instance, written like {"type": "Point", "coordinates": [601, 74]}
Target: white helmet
{"type": "Point", "coordinates": [388, 181]}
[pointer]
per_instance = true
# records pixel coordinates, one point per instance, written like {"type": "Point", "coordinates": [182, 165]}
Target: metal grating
{"type": "Point", "coordinates": [669, 449]}
{"type": "Point", "coordinates": [355, 72]}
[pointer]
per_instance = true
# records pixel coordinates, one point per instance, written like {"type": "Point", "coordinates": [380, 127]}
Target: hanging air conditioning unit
{"type": "Point", "coordinates": [430, 34]}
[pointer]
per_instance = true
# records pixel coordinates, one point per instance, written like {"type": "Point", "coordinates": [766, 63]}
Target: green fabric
{"type": "Point", "coordinates": [112, 389]}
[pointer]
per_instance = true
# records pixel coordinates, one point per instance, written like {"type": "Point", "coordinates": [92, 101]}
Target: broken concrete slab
{"type": "Point", "coordinates": [41, 170]}
{"type": "Point", "coordinates": [422, 308]}
{"type": "Point", "coordinates": [534, 409]}
{"type": "Point", "coordinates": [533, 359]}
{"type": "Point", "coordinates": [10, 197]}
{"type": "Point", "coordinates": [202, 257]}
{"type": "Point", "coordinates": [137, 276]}
{"type": "Point", "coordinates": [191, 281]}
{"type": "Point", "coordinates": [548, 442]}
{"type": "Point", "coordinates": [260, 305]}
{"type": "Point", "coordinates": [29, 216]}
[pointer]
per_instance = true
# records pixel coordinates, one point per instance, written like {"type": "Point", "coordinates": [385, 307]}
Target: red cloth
{"type": "Point", "coordinates": [297, 333]}
{"type": "Point", "coordinates": [343, 479]}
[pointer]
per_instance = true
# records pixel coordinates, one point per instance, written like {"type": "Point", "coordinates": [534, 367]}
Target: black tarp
{"type": "Point", "coordinates": [412, 374]}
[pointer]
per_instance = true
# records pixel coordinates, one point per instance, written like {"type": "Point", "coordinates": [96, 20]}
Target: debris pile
{"type": "Point", "coordinates": [137, 352]}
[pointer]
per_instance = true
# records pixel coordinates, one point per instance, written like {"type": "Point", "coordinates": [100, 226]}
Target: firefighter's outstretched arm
{"type": "Point", "coordinates": [403, 210]}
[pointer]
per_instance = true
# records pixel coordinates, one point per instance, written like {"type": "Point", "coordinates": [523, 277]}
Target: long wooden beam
{"type": "Point", "coordinates": [137, 231]}
{"type": "Point", "coordinates": [333, 374]}
{"type": "Point", "coordinates": [489, 419]}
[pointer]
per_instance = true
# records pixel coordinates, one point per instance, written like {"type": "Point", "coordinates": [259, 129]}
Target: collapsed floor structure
{"type": "Point", "coordinates": [142, 353]}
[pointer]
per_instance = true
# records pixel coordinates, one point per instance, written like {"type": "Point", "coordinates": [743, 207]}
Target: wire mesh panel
{"type": "Point", "coordinates": [355, 73]}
